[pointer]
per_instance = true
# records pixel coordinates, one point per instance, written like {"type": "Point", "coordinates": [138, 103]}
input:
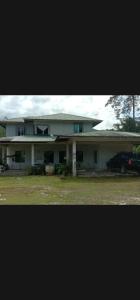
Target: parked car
{"type": "Point", "coordinates": [124, 161]}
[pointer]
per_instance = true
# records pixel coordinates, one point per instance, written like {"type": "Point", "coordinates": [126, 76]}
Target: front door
{"type": "Point", "coordinates": [48, 157]}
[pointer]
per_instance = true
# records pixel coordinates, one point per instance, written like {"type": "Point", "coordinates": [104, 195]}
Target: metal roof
{"type": "Point", "coordinates": [107, 133]}
{"type": "Point", "coordinates": [104, 134]}
{"type": "Point", "coordinates": [63, 117]}
{"type": "Point", "coordinates": [13, 120]}
{"type": "Point", "coordinates": [28, 139]}
{"type": "Point", "coordinates": [54, 117]}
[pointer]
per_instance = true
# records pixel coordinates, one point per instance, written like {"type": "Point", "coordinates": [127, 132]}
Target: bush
{"type": "Point", "coordinates": [37, 170]}
{"type": "Point", "coordinates": [62, 169]}
{"type": "Point", "coordinates": [29, 170]}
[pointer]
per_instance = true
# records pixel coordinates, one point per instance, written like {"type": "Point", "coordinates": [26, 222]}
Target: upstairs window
{"type": "Point", "coordinates": [42, 130]}
{"type": "Point", "coordinates": [78, 127]}
{"type": "Point", "coordinates": [21, 130]}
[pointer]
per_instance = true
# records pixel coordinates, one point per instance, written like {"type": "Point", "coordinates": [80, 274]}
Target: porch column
{"type": "Point", "coordinates": [3, 153]}
{"type": "Point", "coordinates": [32, 155]}
{"type": "Point", "coordinates": [8, 153]}
{"type": "Point", "coordinates": [74, 158]}
{"type": "Point", "coordinates": [67, 154]}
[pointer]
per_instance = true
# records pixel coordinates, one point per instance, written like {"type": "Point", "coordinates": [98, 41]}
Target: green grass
{"type": "Point", "coordinates": [54, 190]}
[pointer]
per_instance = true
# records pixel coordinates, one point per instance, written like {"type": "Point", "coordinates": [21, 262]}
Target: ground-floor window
{"type": "Point", "coordinates": [20, 156]}
{"type": "Point", "coordinates": [79, 156]}
{"type": "Point", "coordinates": [95, 154]}
{"type": "Point", "coordinates": [62, 156]}
{"type": "Point", "coordinates": [48, 157]}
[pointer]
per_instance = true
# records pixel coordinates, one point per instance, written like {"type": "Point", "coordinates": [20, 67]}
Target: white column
{"type": "Point", "coordinates": [3, 153]}
{"type": "Point", "coordinates": [32, 155]}
{"type": "Point", "coordinates": [67, 154]}
{"type": "Point", "coordinates": [8, 153]}
{"type": "Point", "coordinates": [74, 158]}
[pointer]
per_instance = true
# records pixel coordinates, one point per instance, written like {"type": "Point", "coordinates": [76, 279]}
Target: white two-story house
{"type": "Point", "coordinates": [59, 138]}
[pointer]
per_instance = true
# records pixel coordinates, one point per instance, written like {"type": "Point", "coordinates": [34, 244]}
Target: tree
{"type": "Point", "coordinates": [124, 105]}
{"type": "Point", "coordinates": [128, 124]}
{"type": "Point", "coordinates": [2, 131]}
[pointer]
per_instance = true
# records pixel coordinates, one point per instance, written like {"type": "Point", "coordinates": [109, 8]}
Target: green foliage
{"type": "Point", "coordinates": [128, 124]}
{"type": "Point", "coordinates": [37, 170]}
{"type": "Point", "coordinates": [124, 105]}
{"type": "Point", "coordinates": [29, 170]}
{"type": "Point", "coordinates": [137, 149]}
{"type": "Point", "coordinates": [62, 169]}
{"type": "Point", "coordinates": [2, 131]}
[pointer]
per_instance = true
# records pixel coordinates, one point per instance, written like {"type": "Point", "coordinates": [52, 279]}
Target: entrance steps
{"type": "Point", "coordinates": [81, 172]}
{"type": "Point", "coordinates": [14, 173]}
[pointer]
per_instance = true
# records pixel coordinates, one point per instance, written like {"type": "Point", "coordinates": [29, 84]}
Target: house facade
{"type": "Point", "coordinates": [59, 138]}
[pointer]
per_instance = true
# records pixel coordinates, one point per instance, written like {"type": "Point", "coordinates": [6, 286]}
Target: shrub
{"type": "Point", "coordinates": [62, 169]}
{"type": "Point", "coordinates": [38, 170]}
{"type": "Point", "coordinates": [29, 170]}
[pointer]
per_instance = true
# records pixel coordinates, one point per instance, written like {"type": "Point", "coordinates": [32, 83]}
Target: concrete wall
{"type": "Point", "coordinates": [11, 130]}
{"type": "Point", "coordinates": [67, 128]}
{"type": "Point", "coordinates": [105, 151]}
{"type": "Point", "coordinates": [39, 154]}
{"type": "Point", "coordinates": [29, 128]}
{"type": "Point", "coordinates": [27, 149]}
{"type": "Point", "coordinates": [108, 150]}
{"type": "Point", "coordinates": [56, 128]}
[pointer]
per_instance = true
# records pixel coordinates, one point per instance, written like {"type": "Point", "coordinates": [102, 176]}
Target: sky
{"type": "Point", "coordinates": [88, 106]}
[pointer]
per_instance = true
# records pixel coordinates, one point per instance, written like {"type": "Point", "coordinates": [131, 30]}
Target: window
{"type": "Point", "coordinates": [21, 130]}
{"type": "Point", "coordinates": [19, 156]}
{"type": "Point", "coordinates": [95, 156]}
{"type": "Point", "coordinates": [78, 127]}
{"type": "Point", "coordinates": [42, 130]}
{"type": "Point", "coordinates": [62, 155]}
{"type": "Point", "coordinates": [48, 157]}
{"type": "Point", "coordinates": [79, 156]}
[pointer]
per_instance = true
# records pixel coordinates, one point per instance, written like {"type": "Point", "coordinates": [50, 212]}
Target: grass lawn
{"type": "Point", "coordinates": [54, 190]}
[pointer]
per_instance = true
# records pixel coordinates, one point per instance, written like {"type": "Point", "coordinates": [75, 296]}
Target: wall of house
{"type": "Point", "coordinates": [63, 128]}
{"type": "Point", "coordinates": [16, 147]}
{"type": "Point", "coordinates": [29, 128]}
{"type": "Point", "coordinates": [67, 128]}
{"type": "Point", "coordinates": [105, 151]}
{"type": "Point", "coordinates": [56, 128]}
{"type": "Point", "coordinates": [11, 130]}
{"type": "Point", "coordinates": [108, 150]}
{"type": "Point", "coordinates": [39, 153]}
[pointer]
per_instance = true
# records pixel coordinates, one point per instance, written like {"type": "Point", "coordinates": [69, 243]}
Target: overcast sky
{"type": "Point", "coordinates": [90, 106]}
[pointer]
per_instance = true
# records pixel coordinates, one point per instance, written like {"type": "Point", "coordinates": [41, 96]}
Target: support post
{"type": "Point", "coordinates": [3, 153]}
{"type": "Point", "coordinates": [74, 158]}
{"type": "Point", "coordinates": [67, 154]}
{"type": "Point", "coordinates": [8, 153]}
{"type": "Point", "coordinates": [32, 155]}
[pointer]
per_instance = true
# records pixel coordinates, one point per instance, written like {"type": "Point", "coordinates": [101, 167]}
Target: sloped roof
{"type": "Point", "coordinates": [107, 133]}
{"type": "Point", "coordinates": [63, 117]}
{"type": "Point", "coordinates": [12, 120]}
{"type": "Point", "coordinates": [28, 139]}
{"type": "Point", "coordinates": [57, 117]}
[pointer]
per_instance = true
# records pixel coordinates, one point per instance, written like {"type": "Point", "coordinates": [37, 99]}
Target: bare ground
{"type": "Point", "coordinates": [53, 190]}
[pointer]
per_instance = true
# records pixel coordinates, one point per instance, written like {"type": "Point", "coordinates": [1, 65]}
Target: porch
{"type": "Point", "coordinates": [88, 156]}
